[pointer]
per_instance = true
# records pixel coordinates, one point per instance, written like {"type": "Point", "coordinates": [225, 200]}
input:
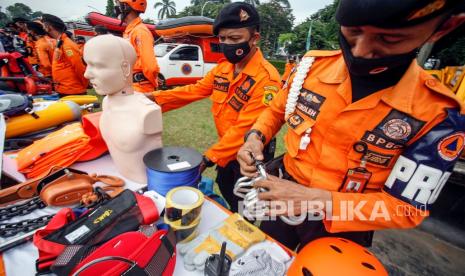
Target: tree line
{"type": "Point", "coordinates": [277, 27]}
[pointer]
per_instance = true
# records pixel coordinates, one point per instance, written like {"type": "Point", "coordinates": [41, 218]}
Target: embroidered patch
{"type": "Point", "coordinates": [235, 104]}
{"type": "Point", "coordinates": [310, 103]}
{"type": "Point", "coordinates": [295, 120]}
{"type": "Point", "coordinates": [399, 126]}
{"type": "Point", "coordinates": [69, 53]}
{"type": "Point", "coordinates": [245, 87]}
{"type": "Point", "coordinates": [221, 84]}
{"type": "Point", "coordinates": [381, 141]}
{"type": "Point", "coordinates": [451, 147]}
{"type": "Point", "coordinates": [378, 158]}
{"type": "Point", "coordinates": [242, 90]}
{"type": "Point", "coordinates": [270, 93]}
{"type": "Point", "coordinates": [243, 15]}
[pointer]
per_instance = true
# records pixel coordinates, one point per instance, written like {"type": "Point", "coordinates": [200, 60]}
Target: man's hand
{"type": "Point", "coordinates": [290, 198]}
{"type": "Point", "coordinates": [206, 163]}
{"type": "Point", "coordinates": [252, 148]}
{"type": "Point", "coordinates": [202, 167]}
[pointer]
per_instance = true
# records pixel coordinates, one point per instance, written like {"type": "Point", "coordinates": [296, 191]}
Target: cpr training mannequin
{"type": "Point", "coordinates": [130, 124]}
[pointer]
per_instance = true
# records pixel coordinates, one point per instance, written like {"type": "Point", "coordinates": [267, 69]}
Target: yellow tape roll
{"type": "Point", "coordinates": [183, 206]}
{"type": "Point", "coordinates": [186, 233]}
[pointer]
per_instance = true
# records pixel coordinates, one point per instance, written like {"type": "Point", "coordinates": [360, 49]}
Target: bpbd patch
{"type": "Point", "coordinates": [242, 90]}
{"type": "Point", "coordinates": [394, 131]}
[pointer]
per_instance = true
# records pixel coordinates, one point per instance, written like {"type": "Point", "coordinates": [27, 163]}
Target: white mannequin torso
{"type": "Point", "coordinates": [131, 124]}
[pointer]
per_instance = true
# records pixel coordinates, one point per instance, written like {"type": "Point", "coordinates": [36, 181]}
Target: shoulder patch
{"type": "Point", "coordinates": [450, 147]}
{"type": "Point", "coordinates": [422, 170]}
{"type": "Point", "coordinates": [69, 52]}
{"type": "Point", "coordinates": [270, 92]}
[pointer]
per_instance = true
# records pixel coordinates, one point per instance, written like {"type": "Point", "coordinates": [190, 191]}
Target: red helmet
{"type": "Point", "coordinates": [335, 256]}
{"type": "Point", "coordinates": [137, 5]}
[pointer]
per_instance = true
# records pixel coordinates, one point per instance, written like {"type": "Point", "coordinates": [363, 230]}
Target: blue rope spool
{"type": "Point", "coordinates": [171, 167]}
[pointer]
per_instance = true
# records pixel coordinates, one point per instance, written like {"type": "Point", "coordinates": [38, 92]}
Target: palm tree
{"type": "Point", "coordinates": [253, 2]}
{"type": "Point", "coordinates": [167, 8]}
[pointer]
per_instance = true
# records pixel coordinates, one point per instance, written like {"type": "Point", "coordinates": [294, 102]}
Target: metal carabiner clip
{"type": "Point", "coordinates": [243, 186]}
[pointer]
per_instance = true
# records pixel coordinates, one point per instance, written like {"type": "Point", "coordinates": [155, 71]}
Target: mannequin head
{"type": "Point", "coordinates": [110, 60]}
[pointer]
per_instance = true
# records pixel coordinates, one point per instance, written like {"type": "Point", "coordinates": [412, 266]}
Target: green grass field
{"type": "Point", "coordinates": [192, 126]}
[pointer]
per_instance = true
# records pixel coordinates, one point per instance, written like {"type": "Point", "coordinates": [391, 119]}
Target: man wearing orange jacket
{"type": "Point", "coordinates": [240, 88]}
{"type": "Point", "coordinates": [44, 47]}
{"type": "Point", "coordinates": [290, 66]}
{"type": "Point", "coordinates": [145, 72]}
{"type": "Point", "coordinates": [67, 66]}
{"type": "Point", "coordinates": [372, 138]}
{"type": "Point", "coordinates": [20, 23]}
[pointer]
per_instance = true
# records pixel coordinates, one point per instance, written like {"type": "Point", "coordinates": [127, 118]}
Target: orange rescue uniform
{"type": "Point", "coordinates": [142, 41]}
{"type": "Point", "coordinates": [404, 112]}
{"type": "Point", "coordinates": [237, 101]}
{"type": "Point", "coordinates": [31, 46]}
{"type": "Point", "coordinates": [68, 68]}
{"type": "Point", "coordinates": [45, 47]}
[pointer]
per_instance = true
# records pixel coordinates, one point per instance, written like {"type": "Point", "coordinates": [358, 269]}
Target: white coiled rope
{"type": "Point", "coordinates": [297, 84]}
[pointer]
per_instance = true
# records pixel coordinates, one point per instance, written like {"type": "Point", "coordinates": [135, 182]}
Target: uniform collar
{"type": "Point", "coordinates": [252, 66]}
{"type": "Point", "coordinates": [400, 96]}
{"type": "Point", "coordinates": [337, 73]}
{"type": "Point", "coordinates": [133, 24]}
{"type": "Point", "coordinates": [64, 37]}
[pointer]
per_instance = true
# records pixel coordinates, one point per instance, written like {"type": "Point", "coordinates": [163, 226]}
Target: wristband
{"type": "Point", "coordinates": [208, 162]}
{"type": "Point", "coordinates": [257, 132]}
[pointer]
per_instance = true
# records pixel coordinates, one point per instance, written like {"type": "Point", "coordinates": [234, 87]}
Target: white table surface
{"type": "Point", "coordinates": [20, 261]}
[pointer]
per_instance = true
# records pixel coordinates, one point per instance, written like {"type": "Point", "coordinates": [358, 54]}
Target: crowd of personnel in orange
{"type": "Point", "coordinates": [67, 65]}
{"type": "Point", "coordinates": [43, 47]}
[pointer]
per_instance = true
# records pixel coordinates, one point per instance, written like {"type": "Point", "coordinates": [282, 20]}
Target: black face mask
{"type": "Point", "coordinates": [369, 67]}
{"type": "Point", "coordinates": [121, 11]}
{"type": "Point", "coordinates": [234, 53]}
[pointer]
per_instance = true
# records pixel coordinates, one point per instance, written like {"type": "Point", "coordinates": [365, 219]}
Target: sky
{"type": "Point", "coordinates": [73, 9]}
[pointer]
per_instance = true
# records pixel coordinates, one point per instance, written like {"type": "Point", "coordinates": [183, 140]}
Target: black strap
{"type": "Point", "coordinates": [139, 77]}
{"type": "Point", "coordinates": [162, 257]}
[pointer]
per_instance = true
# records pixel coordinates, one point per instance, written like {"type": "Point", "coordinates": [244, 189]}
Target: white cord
{"type": "Point", "coordinates": [297, 84]}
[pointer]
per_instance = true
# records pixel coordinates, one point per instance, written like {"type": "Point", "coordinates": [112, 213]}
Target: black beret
{"type": "Point", "coordinates": [19, 19]}
{"type": "Point", "coordinates": [55, 21]}
{"type": "Point", "coordinates": [36, 28]}
{"type": "Point", "coordinates": [236, 15]}
{"type": "Point", "coordinates": [392, 13]}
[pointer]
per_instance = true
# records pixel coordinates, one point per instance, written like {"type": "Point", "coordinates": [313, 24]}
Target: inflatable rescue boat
{"type": "Point", "coordinates": [112, 24]}
{"type": "Point", "coordinates": [184, 26]}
